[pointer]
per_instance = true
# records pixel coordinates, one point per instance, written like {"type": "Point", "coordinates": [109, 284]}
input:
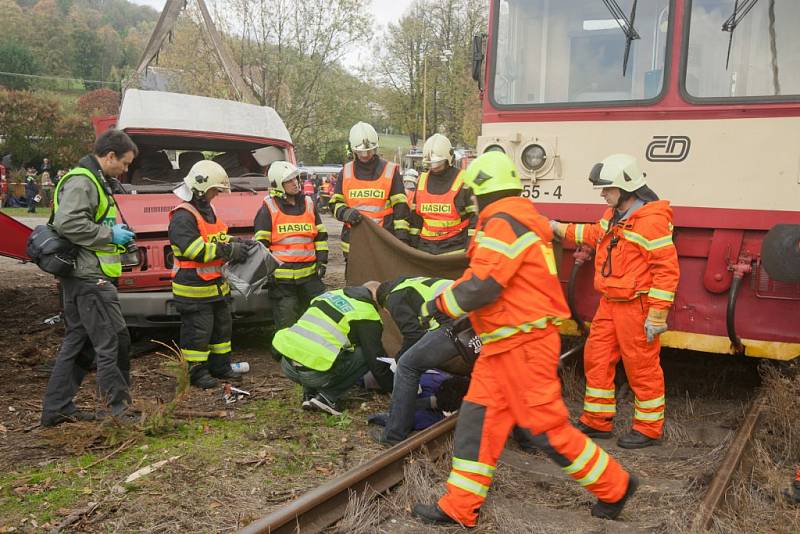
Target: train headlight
{"type": "Point", "coordinates": [534, 157]}
{"type": "Point", "coordinates": [494, 148]}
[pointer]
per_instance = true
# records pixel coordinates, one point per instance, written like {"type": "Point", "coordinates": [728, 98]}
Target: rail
{"type": "Point", "coordinates": [324, 506]}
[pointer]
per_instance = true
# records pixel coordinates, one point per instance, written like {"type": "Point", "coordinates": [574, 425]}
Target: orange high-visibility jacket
{"type": "Point", "coordinates": [293, 235]}
{"type": "Point", "coordinates": [511, 286]}
{"type": "Point", "coordinates": [208, 269]}
{"type": "Point", "coordinates": [643, 259]}
{"type": "Point", "coordinates": [370, 197]}
{"type": "Point", "coordinates": [441, 219]}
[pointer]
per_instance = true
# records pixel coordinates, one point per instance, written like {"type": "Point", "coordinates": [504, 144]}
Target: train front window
{"type": "Point", "coordinates": [550, 52]}
{"type": "Point", "coordinates": [757, 57]}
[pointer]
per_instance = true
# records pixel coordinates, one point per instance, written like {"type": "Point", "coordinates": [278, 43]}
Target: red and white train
{"type": "Point", "coordinates": [706, 94]}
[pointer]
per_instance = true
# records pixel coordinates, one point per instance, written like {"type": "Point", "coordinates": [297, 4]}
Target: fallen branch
{"type": "Point", "coordinates": [148, 469]}
{"type": "Point", "coordinates": [217, 414]}
{"type": "Point", "coordinates": [112, 453]}
{"type": "Point", "coordinates": [74, 517]}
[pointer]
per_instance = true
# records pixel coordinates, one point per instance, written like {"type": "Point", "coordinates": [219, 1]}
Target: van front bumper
{"type": "Point", "coordinates": [152, 309]}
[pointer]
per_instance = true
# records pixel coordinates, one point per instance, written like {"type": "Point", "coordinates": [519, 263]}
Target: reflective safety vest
{"type": "Point", "coordinates": [308, 187]}
{"type": "Point", "coordinates": [411, 196]}
{"type": "Point", "coordinates": [369, 197]}
{"type": "Point", "coordinates": [318, 337]}
{"type": "Point", "coordinates": [292, 235]}
{"type": "Point", "coordinates": [106, 214]}
{"type": "Point", "coordinates": [440, 217]}
{"type": "Point", "coordinates": [211, 233]}
{"type": "Point", "coordinates": [327, 188]}
{"type": "Point", "coordinates": [428, 289]}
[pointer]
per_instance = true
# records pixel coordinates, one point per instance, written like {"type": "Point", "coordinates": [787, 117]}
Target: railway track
{"type": "Point", "coordinates": [325, 505]}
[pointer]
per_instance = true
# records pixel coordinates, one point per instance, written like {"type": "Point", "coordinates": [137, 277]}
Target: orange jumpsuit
{"type": "Point", "coordinates": [636, 267]}
{"type": "Point", "coordinates": [515, 301]}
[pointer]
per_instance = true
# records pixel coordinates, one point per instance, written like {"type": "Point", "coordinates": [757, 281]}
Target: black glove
{"type": "Point", "coordinates": [238, 252]}
{"type": "Point", "coordinates": [352, 217]}
{"type": "Point", "coordinates": [321, 270]}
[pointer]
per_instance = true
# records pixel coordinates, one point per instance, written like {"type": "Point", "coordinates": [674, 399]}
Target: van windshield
{"type": "Point", "coordinates": [572, 51]}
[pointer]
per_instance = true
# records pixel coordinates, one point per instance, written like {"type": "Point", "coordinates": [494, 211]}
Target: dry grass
{"type": "Point", "coordinates": [362, 514]}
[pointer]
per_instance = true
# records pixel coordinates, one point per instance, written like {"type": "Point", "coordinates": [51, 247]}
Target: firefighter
{"type": "Point", "coordinates": [444, 215]}
{"type": "Point", "coordinates": [85, 213]}
{"type": "Point", "coordinates": [201, 245]}
{"type": "Point", "coordinates": [333, 344]}
{"type": "Point", "coordinates": [288, 224]}
{"type": "Point", "coordinates": [514, 301]}
{"type": "Point", "coordinates": [426, 345]}
{"type": "Point", "coordinates": [636, 272]}
{"type": "Point", "coordinates": [369, 186]}
{"type": "Point", "coordinates": [793, 495]}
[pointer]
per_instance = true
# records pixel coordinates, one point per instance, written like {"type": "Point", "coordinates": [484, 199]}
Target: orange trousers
{"type": "Point", "coordinates": [520, 387]}
{"type": "Point", "coordinates": [618, 331]}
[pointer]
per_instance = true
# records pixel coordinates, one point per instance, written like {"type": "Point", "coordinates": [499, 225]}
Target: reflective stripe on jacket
{"type": "Point", "coordinates": [321, 333]}
{"type": "Point", "coordinates": [370, 197]}
{"type": "Point", "coordinates": [204, 250]}
{"type": "Point", "coordinates": [292, 235]}
{"type": "Point", "coordinates": [635, 256]}
{"type": "Point", "coordinates": [106, 214]}
{"type": "Point", "coordinates": [440, 217]}
{"type": "Point", "coordinates": [511, 286]}
{"type": "Point", "coordinates": [427, 288]}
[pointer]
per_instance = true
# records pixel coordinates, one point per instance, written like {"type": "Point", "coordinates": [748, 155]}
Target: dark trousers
{"type": "Point", "coordinates": [290, 301]}
{"type": "Point", "coordinates": [206, 329]}
{"type": "Point", "coordinates": [95, 330]}
{"type": "Point", "coordinates": [333, 383]}
{"type": "Point", "coordinates": [434, 349]}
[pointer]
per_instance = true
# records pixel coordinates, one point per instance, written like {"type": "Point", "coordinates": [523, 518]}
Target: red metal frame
{"type": "Point", "coordinates": [714, 244]}
{"type": "Point", "coordinates": [13, 242]}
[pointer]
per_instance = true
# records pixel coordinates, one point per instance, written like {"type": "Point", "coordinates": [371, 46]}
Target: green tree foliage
{"type": "Point", "coordinates": [426, 63]}
{"type": "Point", "coordinates": [26, 119]}
{"type": "Point", "coordinates": [16, 58]}
{"type": "Point", "coordinates": [97, 103]}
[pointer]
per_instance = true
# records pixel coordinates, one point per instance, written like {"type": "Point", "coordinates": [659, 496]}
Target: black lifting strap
{"type": "Point", "coordinates": [606, 270]}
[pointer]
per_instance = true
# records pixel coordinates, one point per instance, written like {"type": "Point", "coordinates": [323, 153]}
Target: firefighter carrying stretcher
{"type": "Point", "coordinates": [289, 225]}
{"type": "Point", "coordinates": [636, 272]}
{"type": "Point", "coordinates": [514, 301]}
{"type": "Point", "coordinates": [443, 217]}
{"type": "Point", "coordinates": [201, 245]}
{"type": "Point", "coordinates": [369, 186]}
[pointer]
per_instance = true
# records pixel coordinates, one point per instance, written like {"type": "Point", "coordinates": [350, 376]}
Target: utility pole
{"type": "Point", "coordinates": [424, 98]}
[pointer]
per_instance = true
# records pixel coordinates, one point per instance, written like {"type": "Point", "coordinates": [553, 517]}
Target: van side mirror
{"type": "Point", "coordinates": [477, 58]}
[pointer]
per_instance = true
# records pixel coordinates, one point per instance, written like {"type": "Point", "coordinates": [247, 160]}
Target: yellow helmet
{"type": "Point", "coordinates": [202, 177]}
{"type": "Point", "coordinates": [618, 170]}
{"type": "Point", "coordinates": [492, 172]}
{"type": "Point", "coordinates": [437, 149]}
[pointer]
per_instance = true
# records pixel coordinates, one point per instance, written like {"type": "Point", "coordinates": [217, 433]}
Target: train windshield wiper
{"type": "Point", "coordinates": [626, 25]}
{"type": "Point", "coordinates": [733, 21]}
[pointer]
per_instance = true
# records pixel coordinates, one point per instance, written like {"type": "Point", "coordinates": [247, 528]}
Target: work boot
{"type": "Point", "coordinates": [611, 510]}
{"type": "Point", "coordinates": [74, 417]}
{"type": "Point", "coordinates": [431, 513]}
{"type": "Point", "coordinates": [220, 367]}
{"type": "Point", "coordinates": [636, 440]}
{"type": "Point", "coordinates": [200, 377]}
{"type": "Point", "coordinates": [376, 433]}
{"type": "Point", "coordinates": [307, 396]}
{"type": "Point", "coordinates": [593, 432]}
{"type": "Point", "coordinates": [793, 494]}
{"type": "Point", "coordinates": [324, 404]}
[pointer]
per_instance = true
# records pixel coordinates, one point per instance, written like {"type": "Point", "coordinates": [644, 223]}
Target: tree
{"type": "Point", "coordinates": [98, 102]}
{"type": "Point", "coordinates": [15, 58]}
{"type": "Point", "coordinates": [27, 121]}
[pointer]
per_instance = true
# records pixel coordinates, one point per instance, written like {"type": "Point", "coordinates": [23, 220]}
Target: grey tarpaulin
{"type": "Point", "coordinates": [248, 276]}
{"type": "Point", "coordinates": [375, 254]}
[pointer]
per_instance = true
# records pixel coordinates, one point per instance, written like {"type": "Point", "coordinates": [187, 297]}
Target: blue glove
{"type": "Point", "coordinates": [121, 235]}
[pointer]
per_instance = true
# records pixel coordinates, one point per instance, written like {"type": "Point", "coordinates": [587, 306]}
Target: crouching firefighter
{"type": "Point", "coordinates": [289, 225]}
{"type": "Point", "coordinates": [514, 301]}
{"type": "Point", "coordinates": [333, 344]}
{"type": "Point", "coordinates": [636, 272]}
{"type": "Point", "coordinates": [201, 246]}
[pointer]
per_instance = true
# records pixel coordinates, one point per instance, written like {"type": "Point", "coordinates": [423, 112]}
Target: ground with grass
{"type": "Point", "coordinates": [23, 212]}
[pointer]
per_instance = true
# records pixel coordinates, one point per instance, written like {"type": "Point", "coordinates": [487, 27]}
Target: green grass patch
{"type": "Point", "coordinates": [23, 212]}
{"type": "Point", "coordinates": [390, 143]}
{"type": "Point", "coordinates": [279, 425]}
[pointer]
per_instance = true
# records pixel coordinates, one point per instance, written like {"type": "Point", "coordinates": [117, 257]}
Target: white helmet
{"type": "Point", "coordinates": [437, 149]}
{"type": "Point", "coordinates": [618, 170]}
{"type": "Point", "coordinates": [281, 172]}
{"type": "Point", "coordinates": [363, 137]}
{"type": "Point", "coordinates": [203, 176]}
